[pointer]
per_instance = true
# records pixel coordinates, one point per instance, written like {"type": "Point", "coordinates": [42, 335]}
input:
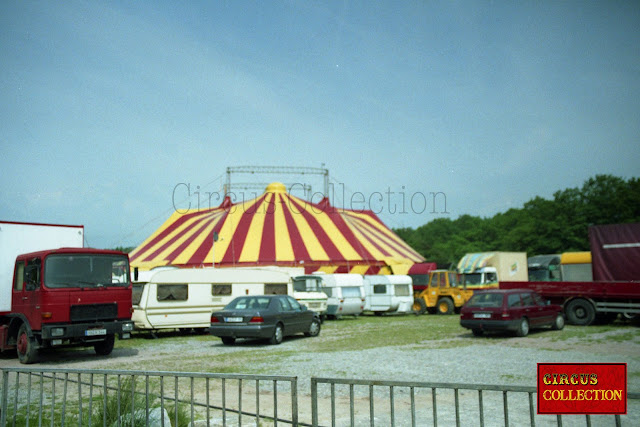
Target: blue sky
{"type": "Point", "coordinates": [107, 106]}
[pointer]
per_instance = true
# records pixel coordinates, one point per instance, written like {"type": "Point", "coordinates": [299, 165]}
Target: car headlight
{"type": "Point", "coordinates": [127, 327]}
{"type": "Point", "coordinates": [57, 332]}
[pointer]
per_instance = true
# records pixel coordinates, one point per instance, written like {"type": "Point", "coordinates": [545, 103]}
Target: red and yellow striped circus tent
{"type": "Point", "coordinates": [278, 229]}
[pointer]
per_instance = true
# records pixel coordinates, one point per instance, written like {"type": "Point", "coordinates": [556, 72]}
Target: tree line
{"type": "Point", "coordinates": [541, 226]}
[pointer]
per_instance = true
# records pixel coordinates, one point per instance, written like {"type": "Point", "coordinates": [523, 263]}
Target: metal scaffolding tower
{"type": "Point", "coordinates": [275, 170]}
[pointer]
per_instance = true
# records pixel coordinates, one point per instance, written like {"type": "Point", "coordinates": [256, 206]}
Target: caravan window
{"type": "Point", "coordinates": [173, 292]}
{"type": "Point", "coordinates": [220, 290]}
{"type": "Point", "coordinates": [350, 291]}
{"type": "Point", "coordinates": [402, 290]}
{"type": "Point", "coordinates": [379, 289]}
{"type": "Point", "coordinates": [275, 289]}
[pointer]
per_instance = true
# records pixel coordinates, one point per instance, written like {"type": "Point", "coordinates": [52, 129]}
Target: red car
{"type": "Point", "coordinates": [516, 310]}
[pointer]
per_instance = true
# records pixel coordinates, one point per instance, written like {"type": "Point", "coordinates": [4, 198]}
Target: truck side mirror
{"type": "Point", "coordinates": [135, 274]}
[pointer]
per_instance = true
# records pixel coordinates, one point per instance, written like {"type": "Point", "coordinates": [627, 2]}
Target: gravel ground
{"type": "Point", "coordinates": [486, 361]}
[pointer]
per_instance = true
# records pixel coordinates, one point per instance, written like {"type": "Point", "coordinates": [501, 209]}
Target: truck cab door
{"type": "Point", "coordinates": [26, 291]}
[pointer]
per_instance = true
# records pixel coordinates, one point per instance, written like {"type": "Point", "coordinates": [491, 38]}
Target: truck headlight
{"type": "Point", "coordinates": [57, 332]}
{"type": "Point", "coordinates": [127, 327]}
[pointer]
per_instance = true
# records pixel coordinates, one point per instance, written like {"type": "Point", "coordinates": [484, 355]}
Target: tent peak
{"type": "Point", "coordinates": [276, 187]}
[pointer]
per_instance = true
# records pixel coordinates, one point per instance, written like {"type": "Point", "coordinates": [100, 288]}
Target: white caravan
{"type": "Point", "coordinates": [388, 294]}
{"type": "Point", "coordinates": [345, 293]}
{"type": "Point", "coordinates": [185, 298]}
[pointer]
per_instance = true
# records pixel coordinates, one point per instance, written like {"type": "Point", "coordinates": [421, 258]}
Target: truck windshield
{"type": "Point", "coordinates": [302, 284]}
{"type": "Point", "coordinates": [473, 279]}
{"type": "Point", "coordinates": [86, 270]}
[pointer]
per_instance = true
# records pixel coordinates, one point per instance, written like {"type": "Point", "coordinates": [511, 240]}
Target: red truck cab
{"type": "Point", "coordinates": [67, 297]}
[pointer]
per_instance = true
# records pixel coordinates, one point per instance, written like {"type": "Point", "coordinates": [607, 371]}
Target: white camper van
{"type": "Point", "coordinates": [345, 293]}
{"type": "Point", "coordinates": [185, 298]}
{"type": "Point", "coordinates": [388, 294]}
{"type": "Point", "coordinates": [307, 289]}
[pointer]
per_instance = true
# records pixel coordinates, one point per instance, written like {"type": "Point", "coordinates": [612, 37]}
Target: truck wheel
{"type": "Point", "coordinates": [445, 306]}
{"type": "Point", "coordinates": [580, 312]}
{"type": "Point", "coordinates": [523, 328]}
{"type": "Point", "coordinates": [104, 348]}
{"type": "Point", "coordinates": [228, 340]}
{"type": "Point", "coordinates": [419, 306]}
{"type": "Point", "coordinates": [26, 347]}
{"type": "Point", "coordinates": [277, 336]}
{"type": "Point", "coordinates": [314, 329]}
{"type": "Point", "coordinates": [558, 324]}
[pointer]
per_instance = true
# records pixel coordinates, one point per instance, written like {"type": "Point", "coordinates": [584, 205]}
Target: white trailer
{"type": "Point", "coordinates": [185, 298]}
{"type": "Point", "coordinates": [345, 293]}
{"type": "Point", "coordinates": [18, 238]}
{"type": "Point", "coordinates": [388, 294]}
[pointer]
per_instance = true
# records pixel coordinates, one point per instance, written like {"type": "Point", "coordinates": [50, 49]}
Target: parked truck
{"type": "Point", "coordinates": [443, 295]}
{"type": "Point", "coordinates": [615, 289]}
{"type": "Point", "coordinates": [486, 269]}
{"type": "Point", "coordinates": [70, 296]}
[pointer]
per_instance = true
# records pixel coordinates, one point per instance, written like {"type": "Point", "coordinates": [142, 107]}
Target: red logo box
{"type": "Point", "coordinates": [582, 388]}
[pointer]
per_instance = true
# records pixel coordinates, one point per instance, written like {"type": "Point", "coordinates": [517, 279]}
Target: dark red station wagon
{"type": "Point", "coordinates": [517, 310]}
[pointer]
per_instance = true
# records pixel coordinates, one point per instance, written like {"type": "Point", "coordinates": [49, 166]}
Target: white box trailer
{"type": "Point", "coordinates": [388, 294]}
{"type": "Point", "coordinates": [18, 238]}
{"type": "Point", "coordinates": [345, 293]}
{"type": "Point", "coordinates": [185, 298]}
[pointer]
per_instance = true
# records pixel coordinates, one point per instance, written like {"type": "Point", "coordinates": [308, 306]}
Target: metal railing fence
{"type": "Point", "coordinates": [56, 397]}
{"type": "Point", "coordinates": [391, 403]}
{"type": "Point", "coordinates": [61, 397]}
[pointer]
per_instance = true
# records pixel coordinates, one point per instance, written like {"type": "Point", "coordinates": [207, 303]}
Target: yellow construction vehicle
{"type": "Point", "coordinates": [443, 295]}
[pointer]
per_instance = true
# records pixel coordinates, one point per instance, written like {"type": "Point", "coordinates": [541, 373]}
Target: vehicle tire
{"type": "Point", "coordinates": [558, 324]}
{"type": "Point", "coordinates": [105, 347]}
{"type": "Point", "coordinates": [228, 340]}
{"type": "Point", "coordinates": [314, 329]}
{"type": "Point", "coordinates": [477, 332]}
{"type": "Point", "coordinates": [278, 335]}
{"type": "Point", "coordinates": [445, 306]}
{"type": "Point", "coordinates": [523, 328]}
{"type": "Point", "coordinates": [580, 312]}
{"type": "Point", "coordinates": [26, 346]}
{"type": "Point", "coordinates": [419, 306]}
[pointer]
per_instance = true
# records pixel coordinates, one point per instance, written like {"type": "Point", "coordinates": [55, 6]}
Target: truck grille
{"type": "Point", "coordinates": [92, 312]}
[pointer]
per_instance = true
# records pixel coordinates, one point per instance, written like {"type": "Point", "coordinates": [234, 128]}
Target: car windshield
{"type": "Point", "coordinates": [486, 299]}
{"type": "Point", "coordinates": [86, 270]}
{"type": "Point", "coordinates": [249, 303]}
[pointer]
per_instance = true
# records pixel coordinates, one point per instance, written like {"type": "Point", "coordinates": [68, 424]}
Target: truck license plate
{"type": "Point", "coordinates": [94, 332]}
{"type": "Point", "coordinates": [482, 315]}
{"type": "Point", "coordinates": [233, 319]}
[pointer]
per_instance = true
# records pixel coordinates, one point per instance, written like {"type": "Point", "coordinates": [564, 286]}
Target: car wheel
{"type": "Point", "coordinates": [105, 347]}
{"type": "Point", "coordinates": [477, 332]}
{"type": "Point", "coordinates": [445, 306]}
{"type": "Point", "coordinates": [523, 328]}
{"type": "Point", "coordinates": [314, 329]}
{"type": "Point", "coordinates": [419, 306]}
{"type": "Point", "coordinates": [580, 312]}
{"type": "Point", "coordinates": [228, 340]}
{"type": "Point", "coordinates": [26, 346]}
{"type": "Point", "coordinates": [558, 324]}
{"type": "Point", "coordinates": [278, 335]}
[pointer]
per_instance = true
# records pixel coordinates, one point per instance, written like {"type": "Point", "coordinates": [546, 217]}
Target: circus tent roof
{"type": "Point", "coordinates": [276, 228]}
